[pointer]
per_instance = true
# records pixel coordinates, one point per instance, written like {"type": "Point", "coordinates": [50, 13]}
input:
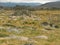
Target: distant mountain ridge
{"type": "Point", "coordinates": [51, 5]}
{"type": "Point", "coordinates": [11, 4]}
{"type": "Point", "coordinates": [38, 5]}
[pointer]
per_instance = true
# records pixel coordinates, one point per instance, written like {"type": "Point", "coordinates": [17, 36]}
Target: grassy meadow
{"type": "Point", "coordinates": [24, 27]}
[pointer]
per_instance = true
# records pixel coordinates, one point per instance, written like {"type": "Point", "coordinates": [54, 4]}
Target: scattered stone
{"type": "Point", "coordinates": [15, 37]}
{"type": "Point", "coordinates": [42, 37]}
{"type": "Point", "coordinates": [1, 27]}
{"type": "Point", "coordinates": [24, 38]}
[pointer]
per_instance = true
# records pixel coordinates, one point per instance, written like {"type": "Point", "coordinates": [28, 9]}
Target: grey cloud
{"type": "Point", "coordinates": [43, 1]}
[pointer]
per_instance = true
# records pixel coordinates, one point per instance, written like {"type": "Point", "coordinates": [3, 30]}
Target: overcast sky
{"type": "Point", "coordinates": [39, 1]}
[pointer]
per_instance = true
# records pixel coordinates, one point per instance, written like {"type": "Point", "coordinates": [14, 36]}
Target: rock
{"type": "Point", "coordinates": [42, 37]}
{"type": "Point", "coordinates": [2, 27]}
{"type": "Point", "coordinates": [24, 38]}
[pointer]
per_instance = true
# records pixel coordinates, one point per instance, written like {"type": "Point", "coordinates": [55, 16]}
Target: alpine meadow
{"type": "Point", "coordinates": [30, 23]}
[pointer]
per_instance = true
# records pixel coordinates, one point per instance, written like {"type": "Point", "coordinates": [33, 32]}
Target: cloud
{"type": "Point", "coordinates": [42, 1]}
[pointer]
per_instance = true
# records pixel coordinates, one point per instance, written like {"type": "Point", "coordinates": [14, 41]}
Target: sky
{"type": "Point", "coordinates": [38, 1]}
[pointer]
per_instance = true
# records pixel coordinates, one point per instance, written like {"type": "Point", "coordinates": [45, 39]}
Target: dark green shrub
{"type": "Point", "coordinates": [56, 26]}
{"type": "Point", "coordinates": [45, 23]}
{"type": "Point", "coordinates": [3, 35]}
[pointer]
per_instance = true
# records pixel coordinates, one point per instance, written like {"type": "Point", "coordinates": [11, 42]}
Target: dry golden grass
{"type": "Point", "coordinates": [31, 27]}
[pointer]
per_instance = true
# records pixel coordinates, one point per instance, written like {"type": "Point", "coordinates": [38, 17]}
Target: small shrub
{"type": "Point", "coordinates": [3, 35]}
{"type": "Point", "coordinates": [28, 44]}
{"type": "Point", "coordinates": [56, 26]}
{"type": "Point", "coordinates": [45, 23]}
{"type": "Point", "coordinates": [51, 25]}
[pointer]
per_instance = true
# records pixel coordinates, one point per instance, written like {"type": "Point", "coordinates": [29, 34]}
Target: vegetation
{"type": "Point", "coordinates": [3, 35]}
{"type": "Point", "coordinates": [29, 26]}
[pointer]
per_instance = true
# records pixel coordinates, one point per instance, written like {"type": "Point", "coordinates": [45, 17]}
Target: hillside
{"type": "Point", "coordinates": [11, 4]}
{"type": "Point", "coordinates": [50, 5]}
